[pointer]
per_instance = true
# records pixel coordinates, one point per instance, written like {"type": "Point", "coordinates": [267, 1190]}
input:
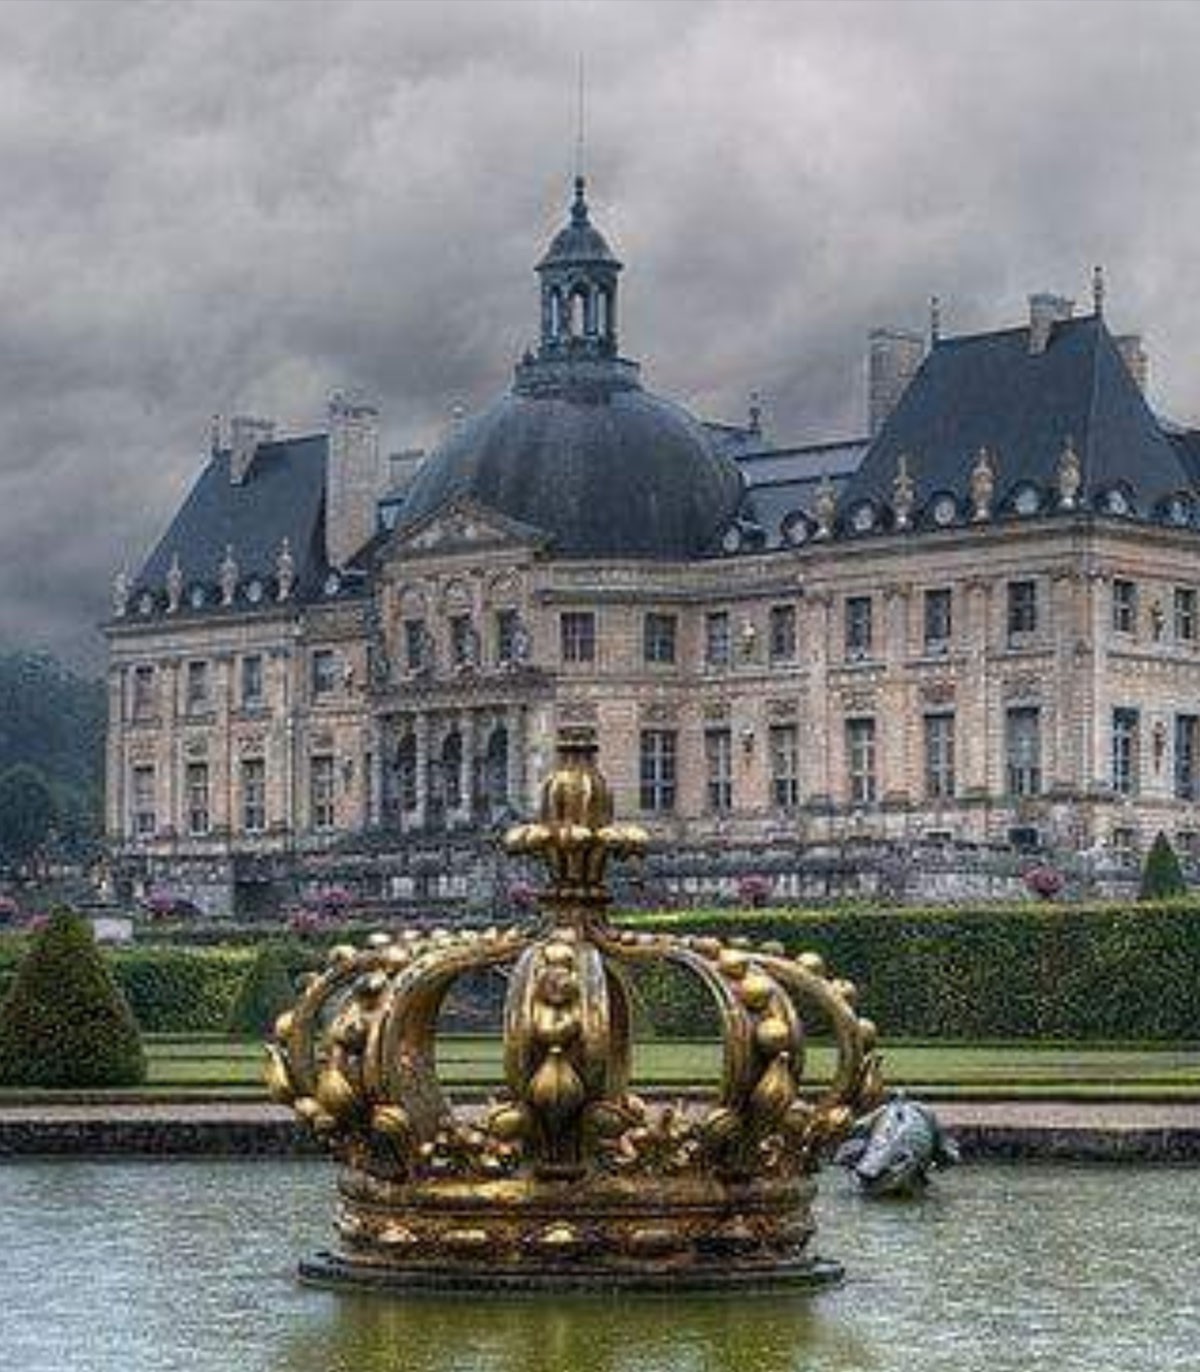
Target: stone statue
{"type": "Point", "coordinates": [983, 486]}
{"type": "Point", "coordinates": [1070, 476]}
{"type": "Point", "coordinates": [890, 1151]}
{"type": "Point", "coordinates": [285, 570]}
{"type": "Point", "coordinates": [228, 575]}
{"type": "Point", "coordinates": [825, 507]}
{"type": "Point", "coordinates": [120, 594]}
{"type": "Point", "coordinates": [903, 493]}
{"type": "Point", "coordinates": [174, 585]}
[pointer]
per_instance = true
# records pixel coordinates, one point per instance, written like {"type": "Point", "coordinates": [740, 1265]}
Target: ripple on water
{"type": "Point", "coordinates": [162, 1267]}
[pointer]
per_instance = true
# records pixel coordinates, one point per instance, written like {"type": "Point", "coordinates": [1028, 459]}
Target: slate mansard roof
{"type": "Point", "coordinates": [989, 391]}
{"type": "Point", "coordinates": [282, 496]}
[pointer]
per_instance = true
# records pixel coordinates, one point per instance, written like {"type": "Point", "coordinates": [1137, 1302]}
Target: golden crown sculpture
{"type": "Point", "coordinates": [568, 1178]}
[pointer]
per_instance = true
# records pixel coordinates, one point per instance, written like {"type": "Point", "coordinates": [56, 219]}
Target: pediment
{"type": "Point", "coordinates": [462, 525]}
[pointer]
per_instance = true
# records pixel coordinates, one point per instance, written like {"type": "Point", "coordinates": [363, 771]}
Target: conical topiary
{"type": "Point", "coordinates": [266, 991]}
{"type": "Point", "coordinates": [1162, 876]}
{"type": "Point", "coordinates": [64, 1021]}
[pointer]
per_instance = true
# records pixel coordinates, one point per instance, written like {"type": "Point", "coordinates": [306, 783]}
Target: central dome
{"type": "Point", "coordinates": [578, 449]}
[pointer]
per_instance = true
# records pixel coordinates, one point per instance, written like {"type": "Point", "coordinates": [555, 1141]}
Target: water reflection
{"type": "Point", "coordinates": [370, 1333]}
{"type": "Point", "coordinates": [190, 1267]}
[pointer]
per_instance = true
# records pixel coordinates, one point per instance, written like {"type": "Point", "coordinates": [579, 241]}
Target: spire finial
{"type": "Point", "coordinates": [935, 320]}
{"type": "Point", "coordinates": [1098, 290]}
{"type": "Point", "coordinates": [579, 124]}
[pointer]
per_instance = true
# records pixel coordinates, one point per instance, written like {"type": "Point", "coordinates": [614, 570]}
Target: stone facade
{"type": "Point", "coordinates": [1018, 667]}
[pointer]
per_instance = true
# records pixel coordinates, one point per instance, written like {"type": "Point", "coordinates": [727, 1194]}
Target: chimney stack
{"type": "Point", "coordinates": [246, 435]}
{"type": "Point", "coordinates": [892, 361]}
{"type": "Point", "coordinates": [1046, 310]}
{"type": "Point", "coordinates": [1133, 351]}
{"type": "Point", "coordinates": [353, 476]}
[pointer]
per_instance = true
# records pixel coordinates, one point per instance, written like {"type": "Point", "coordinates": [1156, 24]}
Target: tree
{"type": "Point", "coordinates": [265, 993]}
{"type": "Point", "coordinates": [64, 1021]}
{"type": "Point", "coordinates": [27, 812]}
{"type": "Point", "coordinates": [1162, 876]}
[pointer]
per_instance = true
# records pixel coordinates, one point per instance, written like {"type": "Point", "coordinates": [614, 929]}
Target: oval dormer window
{"type": "Point", "coordinates": [731, 540]}
{"type": "Point", "coordinates": [333, 584]}
{"type": "Point", "coordinates": [945, 511]}
{"type": "Point", "coordinates": [196, 597]}
{"type": "Point", "coordinates": [254, 590]}
{"type": "Point", "coordinates": [1179, 511]}
{"type": "Point", "coordinates": [1117, 502]}
{"type": "Point", "coordinates": [862, 518]}
{"type": "Point", "coordinates": [1027, 501]}
{"type": "Point", "coordinates": [146, 603]}
{"type": "Point", "coordinates": [794, 529]}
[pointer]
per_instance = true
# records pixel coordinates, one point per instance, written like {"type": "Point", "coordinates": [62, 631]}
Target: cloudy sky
{"type": "Point", "coordinates": [238, 207]}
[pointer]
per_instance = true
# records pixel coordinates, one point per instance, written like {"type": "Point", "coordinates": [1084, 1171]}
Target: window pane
{"type": "Point", "coordinates": [718, 753]}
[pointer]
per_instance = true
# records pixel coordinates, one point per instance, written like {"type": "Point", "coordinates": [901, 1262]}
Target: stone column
{"type": "Point", "coordinates": [169, 752]}
{"type": "Point", "coordinates": [894, 717]}
{"type": "Point", "coordinates": [220, 780]}
{"type": "Point", "coordinates": [972, 730]}
{"type": "Point", "coordinates": [116, 765]}
{"type": "Point", "coordinates": [420, 815]}
{"type": "Point", "coordinates": [466, 770]}
{"type": "Point", "coordinates": [815, 760]}
{"type": "Point", "coordinates": [375, 744]}
{"type": "Point", "coordinates": [514, 719]}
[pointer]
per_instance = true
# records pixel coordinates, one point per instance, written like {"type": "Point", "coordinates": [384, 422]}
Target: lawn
{"type": "Point", "coordinates": [213, 1065]}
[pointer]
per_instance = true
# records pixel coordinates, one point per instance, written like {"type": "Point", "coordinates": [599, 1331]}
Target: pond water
{"type": "Point", "coordinates": [188, 1267]}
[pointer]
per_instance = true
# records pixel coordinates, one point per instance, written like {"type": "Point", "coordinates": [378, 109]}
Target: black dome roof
{"type": "Point", "coordinates": [611, 473]}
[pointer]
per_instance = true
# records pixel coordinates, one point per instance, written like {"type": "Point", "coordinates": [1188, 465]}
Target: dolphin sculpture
{"type": "Point", "coordinates": [890, 1151]}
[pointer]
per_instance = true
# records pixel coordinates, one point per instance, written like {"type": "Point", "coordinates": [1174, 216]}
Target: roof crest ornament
{"type": "Point", "coordinates": [903, 493]}
{"type": "Point", "coordinates": [935, 321]}
{"type": "Point", "coordinates": [120, 594]}
{"type": "Point", "coordinates": [285, 569]}
{"type": "Point", "coordinates": [1098, 291]}
{"type": "Point", "coordinates": [983, 486]}
{"type": "Point", "coordinates": [174, 584]}
{"type": "Point", "coordinates": [825, 507]}
{"type": "Point", "coordinates": [228, 575]}
{"type": "Point", "coordinates": [1070, 475]}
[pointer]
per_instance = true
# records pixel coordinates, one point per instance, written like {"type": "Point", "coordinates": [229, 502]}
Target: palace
{"type": "Point", "coordinates": [979, 622]}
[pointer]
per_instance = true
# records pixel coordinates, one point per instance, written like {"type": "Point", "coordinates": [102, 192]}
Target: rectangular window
{"type": "Point", "coordinates": [718, 757]}
{"type": "Point", "coordinates": [196, 797]}
{"type": "Point", "coordinates": [1187, 756]}
{"type": "Point", "coordinates": [860, 760]}
{"type": "Point", "coordinates": [416, 654]}
{"type": "Point", "coordinates": [1023, 750]}
{"type": "Point", "coordinates": [657, 769]}
{"type": "Point", "coordinates": [196, 687]}
{"type": "Point", "coordinates": [142, 802]}
{"type": "Point", "coordinates": [1185, 614]}
{"type": "Point", "coordinates": [323, 672]}
{"type": "Point", "coordinates": [143, 692]}
{"type": "Point", "coordinates": [254, 795]}
{"type": "Point", "coordinates": [252, 681]}
{"type": "Point", "coordinates": [1125, 751]}
{"type": "Point", "coordinates": [939, 757]}
{"type": "Point", "coordinates": [658, 638]}
{"type": "Point", "coordinates": [937, 620]}
{"type": "Point", "coordinates": [785, 755]}
{"type": "Point", "coordinates": [577, 631]}
{"type": "Point", "coordinates": [717, 649]}
{"type": "Point", "coordinates": [858, 626]}
{"type": "Point", "coordinates": [1022, 607]}
{"type": "Point", "coordinates": [782, 638]}
{"type": "Point", "coordinates": [1124, 606]}
{"type": "Point", "coordinates": [462, 640]}
{"type": "Point", "coordinates": [321, 792]}
{"type": "Point", "coordinates": [506, 636]}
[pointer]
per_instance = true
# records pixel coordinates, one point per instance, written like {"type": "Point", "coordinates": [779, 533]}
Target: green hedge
{"type": "Point", "coordinates": [1033, 971]}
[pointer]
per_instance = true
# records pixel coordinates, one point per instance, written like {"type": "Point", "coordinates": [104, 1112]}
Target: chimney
{"type": "Point", "coordinates": [353, 476]}
{"type": "Point", "coordinates": [892, 361]}
{"type": "Point", "coordinates": [1133, 352]}
{"type": "Point", "coordinates": [246, 434]}
{"type": "Point", "coordinates": [402, 466]}
{"type": "Point", "coordinates": [1046, 310]}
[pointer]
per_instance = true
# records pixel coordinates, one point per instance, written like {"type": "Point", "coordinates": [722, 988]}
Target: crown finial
{"type": "Point", "coordinates": [1098, 290]}
{"type": "Point", "coordinates": [935, 321]}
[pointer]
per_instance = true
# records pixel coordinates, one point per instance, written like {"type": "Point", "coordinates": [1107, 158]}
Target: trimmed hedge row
{"type": "Point", "coordinates": [175, 990]}
{"type": "Point", "coordinates": [1031, 971]}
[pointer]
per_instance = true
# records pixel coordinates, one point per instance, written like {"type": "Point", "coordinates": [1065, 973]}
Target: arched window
{"type": "Point", "coordinates": [452, 752]}
{"type": "Point", "coordinates": [495, 770]}
{"type": "Point", "coordinates": [578, 321]}
{"type": "Point", "coordinates": [406, 773]}
{"type": "Point", "coordinates": [556, 313]}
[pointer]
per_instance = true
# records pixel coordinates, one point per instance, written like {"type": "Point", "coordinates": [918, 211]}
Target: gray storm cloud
{"type": "Point", "coordinates": [213, 208]}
